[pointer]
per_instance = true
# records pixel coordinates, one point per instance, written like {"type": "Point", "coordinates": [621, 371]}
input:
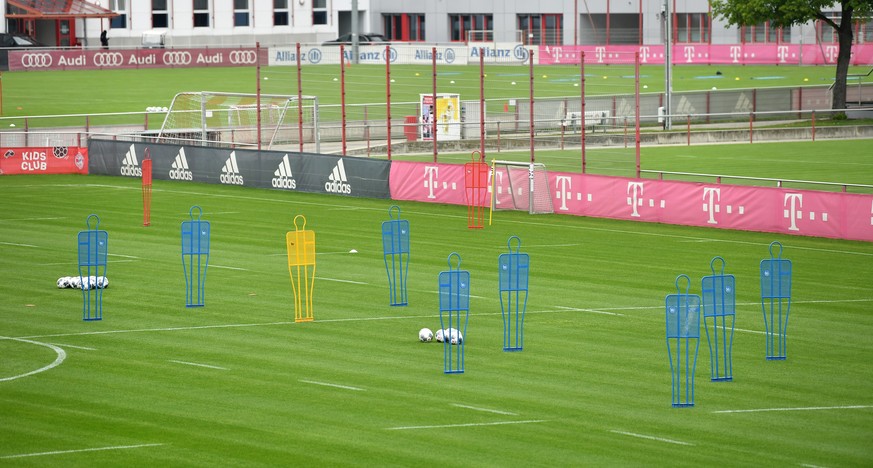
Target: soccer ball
{"type": "Point", "coordinates": [452, 335]}
{"type": "Point", "coordinates": [425, 335]}
{"type": "Point", "coordinates": [75, 282]}
{"type": "Point", "coordinates": [102, 282]}
{"type": "Point", "coordinates": [63, 282]}
{"type": "Point", "coordinates": [440, 336]}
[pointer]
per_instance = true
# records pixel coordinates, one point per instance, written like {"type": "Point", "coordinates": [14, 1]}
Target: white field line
{"type": "Point", "coordinates": [648, 437]}
{"type": "Point", "coordinates": [195, 364]}
{"type": "Point", "coordinates": [74, 263]}
{"type": "Point", "coordinates": [61, 355]}
{"type": "Point", "coordinates": [535, 246]}
{"type": "Point", "coordinates": [337, 280]}
{"type": "Point", "coordinates": [141, 330]}
{"type": "Point", "coordinates": [13, 244]}
{"type": "Point", "coordinates": [62, 452]}
{"type": "Point", "coordinates": [442, 426]}
{"type": "Point", "coordinates": [474, 408]}
{"type": "Point", "coordinates": [593, 311]}
{"type": "Point", "coordinates": [75, 347]}
{"type": "Point", "coordinates": [325, 384]}
{"type": "Point", "coordinates": [122, 256]}
{"type": "Point", "coordinates": [29, 219]}
{"type": "Point", "coordinates": [808, 408]}
{"type": "Point", "coordinates": [229, 267]}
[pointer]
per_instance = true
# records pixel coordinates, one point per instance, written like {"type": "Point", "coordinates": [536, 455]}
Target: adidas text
{"type": "Point", "coordinates": [336, 186]}
{"type": "Point", "coordinates": [181, 174]}
{"type": "Point", "coordinates": [133, 171]}
{"type": "Point", "coordinates": [284, 182]}
{"type": "Point", "coordinates": [234, 179]}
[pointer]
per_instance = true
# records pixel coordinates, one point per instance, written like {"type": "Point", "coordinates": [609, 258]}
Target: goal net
{"type": "Point", "coordinates": [240, 118]}
{"type": "Point", "coordinates": [520, 186]}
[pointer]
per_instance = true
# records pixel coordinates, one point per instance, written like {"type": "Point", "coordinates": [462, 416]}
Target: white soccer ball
{"type": "Point", "coordinates": [452, 335]}
{"type": "Point", "coordinates": [63, 282]}
{"type": "Point", "coordinates": [425, 335]}
{"type": "Point", "coordinates": [439, 336]}
{"type": "Point", "coordinates": [102, 282]}
{"type": "Point", "coordinates": [75, 282]}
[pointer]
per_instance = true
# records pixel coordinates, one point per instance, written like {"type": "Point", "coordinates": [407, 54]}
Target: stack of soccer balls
{"type": "Point", "coordinates": [83, 282]}
{"type": "Point", "coordinates": [451, 335]}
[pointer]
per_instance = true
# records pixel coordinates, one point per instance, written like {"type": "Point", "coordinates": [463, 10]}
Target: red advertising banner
{"type": "Point", "coordinates": [44, 160]}
{"type": "Point", "coordinates": [765, 209]}
{"type": "Point", "coordinates": [80, 59]}
{"type": "Point", "coordinates": [706, 54]}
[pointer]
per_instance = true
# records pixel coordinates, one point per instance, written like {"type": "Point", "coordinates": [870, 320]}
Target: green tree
{"type": "Point", "coordinates": [785, 13]}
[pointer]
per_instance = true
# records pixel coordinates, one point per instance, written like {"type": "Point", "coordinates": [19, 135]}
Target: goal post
{"type": "Point", "coordinates": [520, 186]}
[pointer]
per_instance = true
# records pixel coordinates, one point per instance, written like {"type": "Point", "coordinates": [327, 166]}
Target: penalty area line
{"type": "Point", "coordinates": [95, 449]}
{"type": "Point", "coordinates": [648, 437]}
{"type": "Point", "coordinates": [443, 426]}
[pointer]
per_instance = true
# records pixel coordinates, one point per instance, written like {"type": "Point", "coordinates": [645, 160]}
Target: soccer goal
{"type": "Point", "coordinates": [241, 118]}
{"type": "Point", "coordinates": [520, 186]}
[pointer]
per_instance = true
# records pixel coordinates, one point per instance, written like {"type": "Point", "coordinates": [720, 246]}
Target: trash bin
{"type": "Point", "coordinates": [410, 127]}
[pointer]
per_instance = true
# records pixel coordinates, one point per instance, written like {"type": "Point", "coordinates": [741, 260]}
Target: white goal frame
{"type": "Point", "coordinates": [533, 187]}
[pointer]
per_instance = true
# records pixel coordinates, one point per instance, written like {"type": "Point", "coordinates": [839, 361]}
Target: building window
{"type": "Point", "coordinates": [202, 14]}
{"type": "Point", "coordinates": [160, 15]}
{"type": "Point", "coordinates": [120, 7]}
{"type": "Point", "coordinates": [319, 11]}
{"type": "Point", "coordinates": [474, 28]}
{"type": "Point", "coordinates": [240, 13]}
{"type": "Point", "coordinates": [763, 33]}
{"type": "Point", "coordinates": [280, 13]}
{"type": "Point", "coordinates": [541, 29]}
{"type": "Point", "coordinates": [404, 26]}
{"type": "Point", "coordinates": [865, 32]}
{"type": "Point", "coordinates": [692, 27]}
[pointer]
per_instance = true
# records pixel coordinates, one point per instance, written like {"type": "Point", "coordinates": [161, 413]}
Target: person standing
{"type": "Point", "coordinates": [104, 40]}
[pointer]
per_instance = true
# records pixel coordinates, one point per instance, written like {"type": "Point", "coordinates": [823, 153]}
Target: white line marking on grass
{"type": "Point", "coordinates": [61, 355]}
{"type": "Point", "coordinates": [593, 311]}
{"type": "Point", "coordinates": [340, 280]}
{"type": "Point", "coordinates": [808, 408]}
{"type": "Point", "coordinates": [442, 426]}
{"type": "Point", "coordinates": [659, 439]}
{"type": "Point", "coordinates": [195, 364]}
{"type": "Point", "coordinates": [807, 465]}
{"type": "Point", "coordinates": [507, 413]}
{"type": "Point", "coordinates": [122, 256]}
{"type": "Point", "coordinates": [325, 384]}
{"type": "Point", "coordinates": [229, 267]}
{"type": "Point", "coordinates": [76, 347]}
{"type": "Point", "coordinates": [552, 245]}
{"type": "Point", "coordinates": [27, 219]}
{"type": "Point", "coordinates": [19, 245]}
{"type": "Point", "coordinates": [140, 330]}
{"type": "Point", "coordinates": [751, 331]}
{"type": "Point", "coordinates": [96, 449]}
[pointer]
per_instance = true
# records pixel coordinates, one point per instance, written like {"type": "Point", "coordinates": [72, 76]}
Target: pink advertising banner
{"type": "Point", "coordinates": [705, 54]}
{"type": "Point", "coordinates": [80, 59]}
{"type": "Point", "coordinates": [765, 209]}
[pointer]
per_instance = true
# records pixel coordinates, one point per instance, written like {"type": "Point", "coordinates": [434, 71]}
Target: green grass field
{"type": "Point", "coordinates": [238, 383]}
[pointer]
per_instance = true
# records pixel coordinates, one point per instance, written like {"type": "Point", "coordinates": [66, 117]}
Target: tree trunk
{"type": "Point", "coordinates": [844, 57]}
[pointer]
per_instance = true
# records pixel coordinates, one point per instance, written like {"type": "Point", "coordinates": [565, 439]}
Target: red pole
{"type": "Point", "coordinates": [147, 188]}
{"type": "Point", "coordinates": [258, 90]}
{"type": "Point", "coordinates": [582, 96]}
{"type": "Point", "coordinates": [498, 136]}
{"type": "Point", "coordinates": [813, 125]}
{"type": "Point", "coordinates": [388, 95]}
{"type": "Point", "coordinates": [299, 100]}
{"type": "Point", "coordinates": [637, 108]}
{"type": "Point", "coordinates": [433, 123]}
{"type": "Point", "coordinates": [751, 117]}
{"type": "Point", "coordinates": [531, 58]}
{"type": "Point", "coordinates": [688, 131]}
{"type": "Point", "coordinates": [482, 104]}
{"type": "Point", "coordinates": [343, 94]}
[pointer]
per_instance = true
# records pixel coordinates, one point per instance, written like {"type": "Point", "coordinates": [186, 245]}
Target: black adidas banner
{"type": "Point", "coordinates": [304, 172]}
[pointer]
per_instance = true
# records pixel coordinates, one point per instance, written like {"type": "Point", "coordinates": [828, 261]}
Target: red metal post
{"type": "Point", "coordinates": [688, 131]}
{"type": "Point", "coordinates": [813, 125]}
{"type": "Point", "coordinates": [637, 108]}
{"type": "Point", "coordinates": [299, 100]}
{"type": "Point", "coordinates": [433, 122]}
{"type": "Point", "coordinates": [481, 104]}
{"type": "Point", "coordinates": [258, 91]}
{"type": "Point", "coordinates": [388, 95]}
{"type": "Point", "coordinates": [531, 58]}
{"type": "Point", "coordinates": [582, 96]}
{"type": "Point", "coordinates": [751, 119]}
{"type": "Point", "coordinates": [343, 94]}
{"type": "Point", "coordinates": [147, 188]}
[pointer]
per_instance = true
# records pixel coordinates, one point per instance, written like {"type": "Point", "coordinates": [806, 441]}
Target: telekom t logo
{"type": "Point", "coordinates": [711, 197]}
{"type": "Point", "coordinates": [644, 54]}
{"type": "Point", "coordinates": [689, 54]}
{"type": "Point", "coordinates": [635, 192]}
{"type": "Point", "coordinates": [564, 186]}
{"type": "Point", "coordinates": [430, 179]}
{"type": "Point", "coordinates": [782, 53]}
{"type": "Point", "coordinates": [600, 52]}
{"type": "Point", "coordinates": [795, 203]}
{"type": "Point", "coordinates": [735, 53]}
{"type": "Point", "coordinates": [831, 53]}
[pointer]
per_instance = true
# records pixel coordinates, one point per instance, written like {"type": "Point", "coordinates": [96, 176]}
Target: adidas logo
{"type": "Point", "coordinates": [283, 177]}
{"type": "Point", "coordinates": [230, 172]}
{"type": "Point", "coordinates": [180, 169]}
{"type": "Point", "coordinates": [337, 181]}
{"type": "Point", "coordinates": [130, 165]}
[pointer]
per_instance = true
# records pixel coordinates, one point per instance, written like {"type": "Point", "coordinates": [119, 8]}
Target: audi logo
{"type": "Point", "coordinates": [108, 59]}
{"type": "Point", "coordinates": [177, 58]}
{"type": "Point", "coordinates": [242, 57]}
{"type": "Point", "coordinates": [36, 60]}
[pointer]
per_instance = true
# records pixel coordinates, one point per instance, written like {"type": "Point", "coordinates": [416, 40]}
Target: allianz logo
{"type": "Point", "coordinates": [337, 182]}
{"type": "Point", "coordinates": [180, 170]}
{"type": "Point", "coordinates": [130, 164]}
{"type": "Point", "coordinates": [282, 177]}
{"type": "Point", "coordinates": [230, 172]}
